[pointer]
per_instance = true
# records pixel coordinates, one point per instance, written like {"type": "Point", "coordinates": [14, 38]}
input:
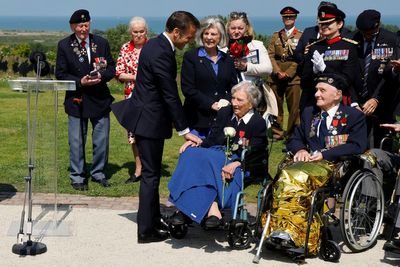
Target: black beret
{"type": "Point", "coordinates": [330, 13]}
{"type": "Point", "coordinates": [79, 16]}
{"type": "Point", "coordinates": [368, 19]}
{"type": "Point", "coordinates": [289, 11]}
{"type": "Point", "coordinates": [334, 79]}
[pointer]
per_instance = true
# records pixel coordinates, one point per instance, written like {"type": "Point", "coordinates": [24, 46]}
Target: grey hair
{"type": "Point", "coordinates": [137, 20]}
{"type": "Point", "coordinates": [210, 22]}
{"type": "Point", "coordinates": [253, 93]}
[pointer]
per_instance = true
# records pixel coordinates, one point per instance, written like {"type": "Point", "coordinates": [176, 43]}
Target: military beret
{"type": "Point", "coordinates": [79, 16]}
{"type": "Point", "coordinates": [334, 79]}
{"type": "Point", "coordinates": [368, 19]}
{"type": "Point", "coordinates": [330, 13]}
{"type": "Point", "coordinates": [289, 11]}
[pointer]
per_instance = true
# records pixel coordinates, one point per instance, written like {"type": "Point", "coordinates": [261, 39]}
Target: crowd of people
{"type": "Point", "coordinates": [340, 87]}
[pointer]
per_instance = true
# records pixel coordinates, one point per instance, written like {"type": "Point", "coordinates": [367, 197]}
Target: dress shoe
{"type": "Point", "coordinates": [154, 236]}
{"type": "Point", "coordinates": [80, 186]}
{"type": "Point", "coordinates": [104, 182]}
{"type": "Point", "coordinates": [133, 179]}
{"type": "Point", "coordinates": [178, 218]}
{"type": "Point", "coordinates": [392, 246]}
{"type": "Point", "coordinates": [212, 222]}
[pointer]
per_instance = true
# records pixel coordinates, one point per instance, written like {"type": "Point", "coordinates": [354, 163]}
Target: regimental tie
{"type": "Point", "coordinates": [323, 129]}
{"type": "Point", "coordinates": [367, 62]}
{"type": "Point", "coordinates": [83, 44]}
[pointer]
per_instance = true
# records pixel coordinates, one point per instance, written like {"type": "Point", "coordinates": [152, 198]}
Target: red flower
{"type": "Point", "coordinates": [238, 49]}
{"type": "Point", "coordinates": [344, 120]}
{"type": "Point", "coordinates": [335, 122]}
{"type": "Point", "coordinates": [241, 134]}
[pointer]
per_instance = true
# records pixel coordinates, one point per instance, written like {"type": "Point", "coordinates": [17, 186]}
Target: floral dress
{"type": "Point", "coordinates": [127, 62]}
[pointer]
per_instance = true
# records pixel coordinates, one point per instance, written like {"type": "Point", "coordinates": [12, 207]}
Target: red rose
{"type": "Point", "coordinates": [241, 134]}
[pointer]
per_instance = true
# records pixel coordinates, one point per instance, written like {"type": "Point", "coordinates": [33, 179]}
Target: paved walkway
{"type": "Point", "coordinates": [103, 233]}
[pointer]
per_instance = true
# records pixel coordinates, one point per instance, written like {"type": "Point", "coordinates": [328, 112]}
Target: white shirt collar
{"type": "Point", "coordinates": [86, 40]}
{"type": "Point", "coordinates": [246, 118]}
{"type": "Point", "coordinates": [332, 111]}
{"type": "Point", "coordinates": [289, 32]}
{"type": "Point", "coordinates": [169, 40]}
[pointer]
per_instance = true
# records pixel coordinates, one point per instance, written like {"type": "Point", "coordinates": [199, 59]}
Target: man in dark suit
{"type": "Point", "coordinates": [152, 110]}
{"type": "Point", "coordinates": [329, 130]}
{"type": "Point", "coordinates": [376, 48]}
{"type": "Point", "coordinates": [86, 59]}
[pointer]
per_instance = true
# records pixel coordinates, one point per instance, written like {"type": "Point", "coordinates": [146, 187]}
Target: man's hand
{"type": "Point", "coordinates": [396, 65]}
{"type": "Point", "coordinates": [301, 155]}
{"type": "Point", "coordinates": [282, 75]}
{"type": "Point", "coordinates": [369, 107]}
{"type": "Point", "coordinates": [390, 126]}
{"type": "Point", "coordinates": [229, 170]}
{"type": "Point", "coordinates": [318, 61]}
{"type": "Point", "coordinates": [191, 137]}
{"type": "Point", "coordinates": [316, 156]}
{"type": "Point", "coordinates": [88, 81]}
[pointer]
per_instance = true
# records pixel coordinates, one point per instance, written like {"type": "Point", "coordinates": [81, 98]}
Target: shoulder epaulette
{"type": "Point", "coordinates": [317, 41]}
{"type": "Point", "coordinates": [350, 41]}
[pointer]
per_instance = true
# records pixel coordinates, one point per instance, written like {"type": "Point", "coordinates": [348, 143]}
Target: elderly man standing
{"type": "Point", "coordinates": [151, 112]}
{"type": "Point", "coordinates": [329, 130]}
{"type": "Point", "coordinates": [284, 80]}
{"type": "Point", "coordinates": [86, 59]}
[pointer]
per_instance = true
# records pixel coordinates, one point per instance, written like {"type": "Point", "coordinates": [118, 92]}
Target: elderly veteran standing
{"type": "Point", "coordinates": [376, 48]}
{"type": "Point", "coordinates": [207, 76]}
{"type": "Point", "coordinates": [126, 71]}
{"type": "Point", "coordinates": [152, 111]}
{"type": "Point", "coordinates": [326, 132]}
{"type": "Point", "coordinates": [332, 54]}
{"type": "Point", "coordinates": [86, 59]}
{"type": "Point", "coordinates": [284, 80]}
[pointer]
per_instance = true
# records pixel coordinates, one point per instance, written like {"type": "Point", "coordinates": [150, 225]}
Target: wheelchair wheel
{"type": "Point", "coordinates": [178, 231]}
{"type": "Point", "coordinates": [362, 211]}
{"type": "Point", "coordinates": [239, 236]}
{"type": "Point", "coordinates": [330, 251]}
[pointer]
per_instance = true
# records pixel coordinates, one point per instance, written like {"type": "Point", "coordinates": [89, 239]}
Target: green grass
{"type": "Point", "coordinates": [13, 149]}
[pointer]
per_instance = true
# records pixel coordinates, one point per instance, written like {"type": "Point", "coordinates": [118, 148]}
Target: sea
{"type": "Point", "coordinates": [262, 25]}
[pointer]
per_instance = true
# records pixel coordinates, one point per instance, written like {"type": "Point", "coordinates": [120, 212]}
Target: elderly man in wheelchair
{"type": "Point", "coordinates": [327, 133]}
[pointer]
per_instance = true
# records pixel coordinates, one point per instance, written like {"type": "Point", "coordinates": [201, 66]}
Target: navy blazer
{"type": "Point", "coordinates": [202, 87]}
{"type": "Point", "coordinates": [155, 104]}
{"type": "Point", "coordinates": [305, 134]}
{"type": "Point", "coordinates": [70, 65]}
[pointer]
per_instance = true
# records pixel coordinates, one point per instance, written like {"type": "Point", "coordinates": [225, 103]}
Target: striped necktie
{"type": "Point", "coordinates": [367, 62]}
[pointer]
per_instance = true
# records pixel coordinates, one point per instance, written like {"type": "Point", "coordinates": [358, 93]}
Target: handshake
{"type": "Point", "coordinates": [318, 62]}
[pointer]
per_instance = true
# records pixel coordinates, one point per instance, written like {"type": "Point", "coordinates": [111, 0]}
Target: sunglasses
{"type": "Point", "coordinates": [238, 15]}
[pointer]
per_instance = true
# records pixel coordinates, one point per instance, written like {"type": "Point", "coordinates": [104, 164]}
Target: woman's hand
{"type": "Point", "coordinates": [229, 170]}
{"type": "Point", "coordinates": [240, 64]}
{"type": "Point", "coordinates": [215, 106]}
{"type": "Point", "coordinates": [186, 145]}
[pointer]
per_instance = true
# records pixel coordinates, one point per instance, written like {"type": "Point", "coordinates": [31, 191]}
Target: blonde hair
{"type": "Point", "coordinates": [242, 16]}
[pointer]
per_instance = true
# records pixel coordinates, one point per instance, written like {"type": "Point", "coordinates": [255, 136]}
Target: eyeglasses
{"type": "Point", "coordinates": [238, 15]}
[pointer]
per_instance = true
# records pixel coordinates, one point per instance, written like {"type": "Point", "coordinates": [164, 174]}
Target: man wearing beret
{"type": "Point", "coordinates": [284, 80]}
{"type": "Point", "coordinates": [86, 59]}
{"type": "Point", "coordinates": [376, 48]}
{"type": "Point", "coordinates": [329, 130]}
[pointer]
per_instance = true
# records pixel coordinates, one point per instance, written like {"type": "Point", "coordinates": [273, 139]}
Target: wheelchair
{"type": "Point", "coordinates": [359, 194]}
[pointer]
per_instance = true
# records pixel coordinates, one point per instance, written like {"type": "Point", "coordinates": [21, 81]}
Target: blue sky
{"type": "Point", "coordinates": [200, 8]}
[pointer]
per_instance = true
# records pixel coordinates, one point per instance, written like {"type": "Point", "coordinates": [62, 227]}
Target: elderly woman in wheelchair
{"type": "Point", "coordinates": [326, 134]}
{"type": "Point", "coordinates": [208, 178]}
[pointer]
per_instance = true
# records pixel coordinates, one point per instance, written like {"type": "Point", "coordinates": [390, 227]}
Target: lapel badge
{"type": "Point", "coordinates": [81, 59]}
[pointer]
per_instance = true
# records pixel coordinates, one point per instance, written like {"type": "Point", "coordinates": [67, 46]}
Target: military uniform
{"type": "Point", "coordinates": [280, 51]}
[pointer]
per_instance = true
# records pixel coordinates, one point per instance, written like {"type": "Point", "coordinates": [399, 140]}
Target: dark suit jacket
{"type": "Point", "coordinates": [70, 65]}
{"type": "Point", "coordinates": [305, 135]}
{"type": "Point", "coordinates": [202, 87]}
{"type": "Point", "coordinates": [379, 67]}
{"type": "Point", "coordinates": [310, 35]}
{"type": "Point", "coordinates": [155, 104]}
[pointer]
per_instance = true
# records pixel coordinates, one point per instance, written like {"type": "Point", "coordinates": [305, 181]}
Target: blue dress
{"type": "Point", "coordinates": [197, 182]}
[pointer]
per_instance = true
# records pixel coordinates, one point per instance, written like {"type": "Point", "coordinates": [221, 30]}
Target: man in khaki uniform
{"type": "Point", "coordinates": [284, 80]}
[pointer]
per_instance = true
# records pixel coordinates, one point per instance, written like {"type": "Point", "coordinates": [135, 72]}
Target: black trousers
{"type": "Point", "coordinates": [150, 151]}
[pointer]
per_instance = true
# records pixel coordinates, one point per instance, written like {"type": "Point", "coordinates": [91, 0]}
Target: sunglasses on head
{"type": "Point", "coordinates": [238, 15]}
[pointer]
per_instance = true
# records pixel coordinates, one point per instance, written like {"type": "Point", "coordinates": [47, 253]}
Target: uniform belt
{"type": "Point", "coordinates": [284, 58]}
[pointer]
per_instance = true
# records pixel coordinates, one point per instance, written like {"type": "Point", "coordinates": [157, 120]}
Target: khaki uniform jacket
{"type": "Point", "coordinates": [281, 49]}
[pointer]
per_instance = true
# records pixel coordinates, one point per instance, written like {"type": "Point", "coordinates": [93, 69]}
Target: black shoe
{"type": "Point", "coordinates": [104, 182]}
{"type": "Point", "coordinates": [133, 179]}
{"type": "Point", "coordinates": [80, 186]}
{"type": "Point", "coordinates": [392, 246]}
{"type": "Point", "coordinates": [212, 222]}
{"type": "Point", "coordinates": [155, 236]}
{"type": "Point", "coordinates": [178, 218]}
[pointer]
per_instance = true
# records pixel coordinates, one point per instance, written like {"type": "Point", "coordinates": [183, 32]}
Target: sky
{"type": "Point", "coordinates": [161, 8]}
